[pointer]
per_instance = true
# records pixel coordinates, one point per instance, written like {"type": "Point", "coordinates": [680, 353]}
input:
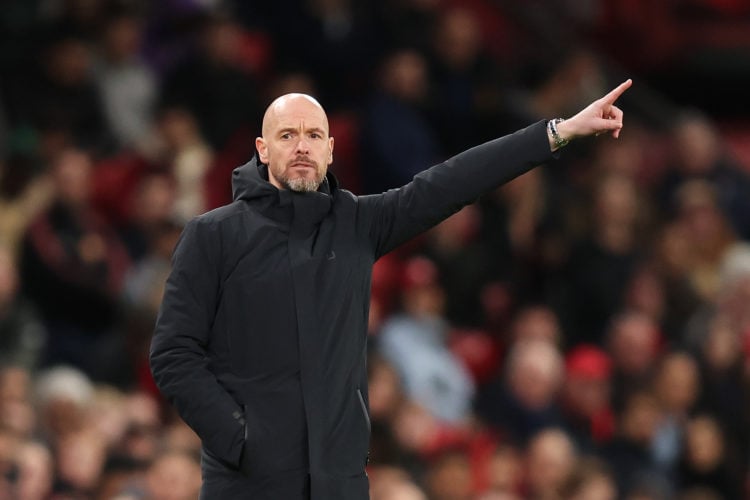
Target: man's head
{"type": "Point", "coordinates": [295, 143]}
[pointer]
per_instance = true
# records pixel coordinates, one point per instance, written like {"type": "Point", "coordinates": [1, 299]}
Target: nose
{"type": "Point", "coordinates": [302, 146]}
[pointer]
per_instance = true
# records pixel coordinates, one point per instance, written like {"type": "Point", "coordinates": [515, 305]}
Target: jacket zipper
{"type": "Point", "coordinates": [364, 409]}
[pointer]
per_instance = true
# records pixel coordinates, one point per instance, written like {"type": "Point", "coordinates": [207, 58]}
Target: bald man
{"type": "Point", "coordinates": [261, 338]}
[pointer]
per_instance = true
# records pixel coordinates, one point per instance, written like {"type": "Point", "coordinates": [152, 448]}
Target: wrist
{"type": "Point", "coordinates": [557, 133]}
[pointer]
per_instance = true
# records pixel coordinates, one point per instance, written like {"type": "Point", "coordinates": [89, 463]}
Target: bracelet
{"type": "Point", "coordinates": [552, 127]}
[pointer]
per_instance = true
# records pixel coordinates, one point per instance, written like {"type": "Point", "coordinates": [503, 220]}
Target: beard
{"type": "Point", "coordinates": [301, 184]}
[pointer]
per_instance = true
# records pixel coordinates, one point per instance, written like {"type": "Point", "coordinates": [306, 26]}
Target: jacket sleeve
{"type": "Point", "coordinates": [179, 358]}
{"type": "Point", "coordinates": [397, 215]}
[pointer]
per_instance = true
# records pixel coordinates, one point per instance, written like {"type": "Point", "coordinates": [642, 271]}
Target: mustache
{"type": "Point", "coordinates": [303, 159]}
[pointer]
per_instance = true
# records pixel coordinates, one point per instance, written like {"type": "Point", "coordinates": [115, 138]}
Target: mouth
{"type": "Point", "coordinates": [302, 165]}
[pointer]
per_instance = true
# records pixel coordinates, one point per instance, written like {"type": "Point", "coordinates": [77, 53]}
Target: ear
{"type": "Point", "coordinates": [262, 148]}
{"type": "Point", "coordinates": [330, 150]}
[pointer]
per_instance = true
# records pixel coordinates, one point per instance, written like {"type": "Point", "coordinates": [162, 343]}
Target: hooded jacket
{"type": "Point", "coordinates": [260, 342]}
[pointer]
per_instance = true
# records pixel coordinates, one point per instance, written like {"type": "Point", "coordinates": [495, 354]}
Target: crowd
{"type": "Point", "coordinates": [581, 333]}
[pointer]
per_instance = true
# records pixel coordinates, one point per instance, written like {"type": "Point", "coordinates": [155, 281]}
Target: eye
{"type": "Point", "coordinates": [315, 135]}
{"type": "Point", "coordinates": [286, 136]}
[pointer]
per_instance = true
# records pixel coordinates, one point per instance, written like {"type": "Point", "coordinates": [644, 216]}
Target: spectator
{"type": "Point", "coordinates": [550, 460]}
{"type": "Point", "coordinates": [589, 418]}
{"type": "Point", "coordinates": [214, 86]}
{"type": "Point", "coordinates": [525, 400]}
{"type": "Point", "coordinates": [699, 155]}
{"type": "Point", "coordinates": [128, 87]}
{"type": "Point", "coordinates": [61, 94]}
{"type": "Point", "coordinates": [63, 396]}
{"type": "Point", "coordinates": [628, 454]}
{"type": "Point", "coordinates": [505, 472]}
{"type": "Point", "coordinates": [173, 476]}
{"type": "Point", "coordinates": [633, 342]}
{"type": "Point", "coordinates": [397, 139]}
{"type": "Point", "coordinates": [188, 158]}
{"type": "Point", "coordinates": [602, 264]}
{"type": "Point", "coordinates": [73, 267]}
{"type": "Point", "coordinates": [35, 472]}
{"type": "Point", "coordinates": [590, 480]}
{"type": "Point", "coordinates": [449, 476]}
{"type": "Point", "coordinates": [676, 385]}
{"type": "Point", "coordinates": [465, 263]}
{"type": "Point", "coordinates": [705, 462]}
{"type": "Point", "coordinates": [415, 342]}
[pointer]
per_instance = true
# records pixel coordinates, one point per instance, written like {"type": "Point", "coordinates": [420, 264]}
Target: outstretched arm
{"type": "Point", "coordinates": [400, 214]}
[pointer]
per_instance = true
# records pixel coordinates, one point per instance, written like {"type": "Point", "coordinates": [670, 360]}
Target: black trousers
{"type": "Point", "coordinates": [223, 483]}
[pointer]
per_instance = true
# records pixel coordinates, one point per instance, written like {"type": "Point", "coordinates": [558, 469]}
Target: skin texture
{"type": "Point", "coordinates": [295, 144]}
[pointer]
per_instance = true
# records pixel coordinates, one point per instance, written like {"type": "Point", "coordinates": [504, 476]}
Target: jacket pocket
{"type": "Point", "coordinates": [364, 409]}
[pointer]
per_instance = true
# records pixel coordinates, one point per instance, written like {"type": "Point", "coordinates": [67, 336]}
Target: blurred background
{"type": "Point", "coordinates": [581, 333]}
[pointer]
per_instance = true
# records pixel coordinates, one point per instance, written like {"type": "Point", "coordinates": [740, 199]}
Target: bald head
{"type": "Point", "coordinates": [295, 143]}
{"type": "Point", "coordinates": [284, 104]}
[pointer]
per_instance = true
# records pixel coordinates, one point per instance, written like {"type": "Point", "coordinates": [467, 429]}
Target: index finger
{"type": "Point", "coordinates": [617, 92]}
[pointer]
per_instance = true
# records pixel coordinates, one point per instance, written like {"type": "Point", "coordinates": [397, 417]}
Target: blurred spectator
{"type": "Point", "coordinates": [706, 234]}
{"type": "Point", "coordinates": [385, 389]}
{"type": "Point", "coordinates": [415, 342]}
{"type": "Point", "coordinates": [449, 476]}
{"type": "Point", "coordinates": [398, 141]}
{"type": "Point", "coordinates": [629, 453]}
{"type": "Point", "coordinates": [590, 480]}
{"type": "Point", "coordinates": [601, 265]}
{"type": "Point", "coordinates": [188, 159]}
{"type": "Point", "coordinates": [151, 210]}
{"type": "Point", "coordinates": [18, 414]}
{"type": "Point", "coordinates": [676, 386]}
{"type": "Point", "coordinates": [390, 483]}
{"type": "Point", "coordinates": [61, 93]}
{"type": "Point", "coordinates": [505, 472]}
{"type": "Point", "coordinates": [35, 472]}
{"type": "Point", "coordinates": [127, 85]}
{"type": "Point", "coordinates": [63, 396]}
{"type": "Point", "coordinates": [22, 333]}
{"type": "Point", "coordinates": [173, 475]}
{"type": "Point", "coordinates": [525, 400]}
{"type": "Point", "coordinates": [536, 323]}
{"type": "Point", "coordinates": [633, 342]}
{"type": "Point", "coordinates": [550, 460]}
{"type": "Point", "coordinates": [409, 23]}
{"type": "Point", "coordinates": [73, 267]}
{"type": "Point", "coordinates": [700, 155]}
{"type": "Point", "coordinates": [705, 462]}
{"type": "Point", "coordinates": [80, 458]}
{"type": "Point", "coordinates": [467, 87]}
{"type": "Point", "coordinates": [214, 86]}
{"type": "Point", "coordinates": [119, 120]}
{"type": "Point", "coordinates": [141, 438]}
{"type": "Point", "coordinates": [339, 46]}
{"type": "Point", "coordinates": [465, 263]}
{"type": "Point", "coordinates": [589, 418]}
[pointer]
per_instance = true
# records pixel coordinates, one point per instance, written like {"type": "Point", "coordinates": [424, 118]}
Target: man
{"type": "Point", "coordinates": [260, 341]}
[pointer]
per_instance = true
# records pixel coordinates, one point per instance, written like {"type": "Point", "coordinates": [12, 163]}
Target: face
{"type": "Point", "coordinates": [295, 143]}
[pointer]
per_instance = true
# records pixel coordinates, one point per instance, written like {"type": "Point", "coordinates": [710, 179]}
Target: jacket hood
{"type": "Point", "coordinates": [251, 181]}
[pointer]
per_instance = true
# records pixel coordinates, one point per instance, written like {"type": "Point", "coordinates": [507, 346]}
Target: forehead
{"type": "Point", "coordinates": [293, 113]}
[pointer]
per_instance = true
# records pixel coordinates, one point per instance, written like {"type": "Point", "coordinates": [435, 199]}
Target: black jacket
{"type": "Point", "coordinates": [260, 341]}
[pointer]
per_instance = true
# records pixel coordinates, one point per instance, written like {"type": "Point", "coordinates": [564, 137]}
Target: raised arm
{"type": "Point", "coordinates": [179, 354]}
{"type": "Point", "coordinates": [396, 216]}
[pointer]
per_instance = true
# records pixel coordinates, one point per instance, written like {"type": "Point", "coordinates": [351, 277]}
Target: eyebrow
{"type": "Point", "coordinates": [308, 130]}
